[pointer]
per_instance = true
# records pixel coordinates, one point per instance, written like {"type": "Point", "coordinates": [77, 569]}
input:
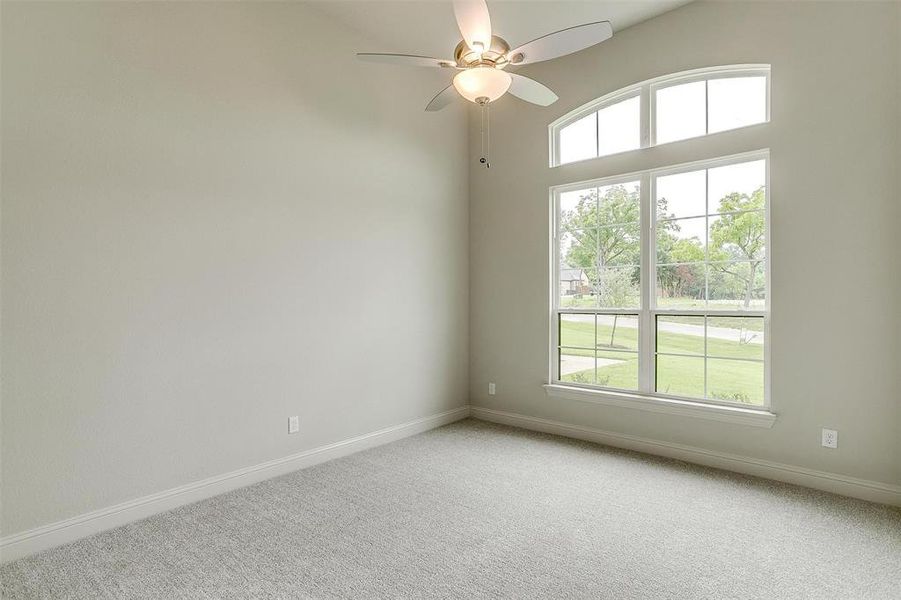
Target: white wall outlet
{"type": "Point", "coordinates": [293, 424]}
{"type": "Point", "coordinates": [830, 438]}
{"type": "Point", "coordinates": [491, 389]}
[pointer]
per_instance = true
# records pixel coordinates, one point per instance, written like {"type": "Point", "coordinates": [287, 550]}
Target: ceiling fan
{"type": "Point", "coordinates": [481, 59]}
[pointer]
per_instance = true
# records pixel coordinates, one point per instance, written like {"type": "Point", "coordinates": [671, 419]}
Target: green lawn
{"type": "Point", "coordinates": [749, 323]}
{"type": "Point", "coordinates": [677, 375]}
{"type": "Point", "coordinates": [587, 301]}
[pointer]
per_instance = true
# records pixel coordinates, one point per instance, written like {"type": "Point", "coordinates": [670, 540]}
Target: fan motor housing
{"type": "Point", "coordinates": [494, 56]}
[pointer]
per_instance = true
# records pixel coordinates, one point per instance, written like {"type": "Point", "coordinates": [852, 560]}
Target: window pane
{"type": "Point", "coordinates": [578, 256]}
{"type": "Point", "coordinates": [576, 244]}
{"type": "Point", "coordinates": [680, 376]}
{"type": "Point", "coordinates": [575, 288]}
{"type": "Point", "coordinates": [619, 127]}
{"type": "Point", "coordinates": [619, 245]}
{"type": "Point", "coordinates": [575, 291]}
{"type": "Point", "coordinates": [737, 187]}
{"type": "Point", "coordinates": [585, 297]}
{"type": "Point", "coordinates": [617, 332]}
{"type": "Point", "coordinates": [578, 140]}
{"type": "Point", "coordinates": [736, 286]}
{"type": "Point", "coordinates": [735, 102]}
{"type": "Point", "coordinates": [618, 370]}
{"type": "Point", "coordinates": [578, 248]}
{"type": "Point", "coordinates": [577, 366]}
{"type": "Point", "coordinates": [620, 203]}
{"type": "Point", "coordinates": [681, 240]}
{"type": "Point", "coordinates": [600, 247]}
{"type": "Point", "coordinates": [577, 208]}
{"type": "Point", "coordinates": [681, 286]}
{"type": "Point", "coordinates": [681, 112]}
{"type": "Point", "coordinates": [616, 287]}
{"type": "Point", "coordinates": [735, 381]}
{"type": "Point", "coordinates": [737, 236]}
{"type": "Point", "coordinates": [582, 298]}
{"type": "Point", "coordinates": [682, 195]}
{"type": "Point", "coordinates": [680, 334]}
{"type": "Point", "coordinates": [577, 331]}
{"type": "Point", "coordinates": [735, 337]}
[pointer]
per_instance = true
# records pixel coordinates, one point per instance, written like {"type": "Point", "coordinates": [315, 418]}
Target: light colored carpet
{"type": "Point", "coordinates": [474, 510]}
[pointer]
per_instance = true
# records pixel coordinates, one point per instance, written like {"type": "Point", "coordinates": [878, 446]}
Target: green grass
{"type": "Point", "coordinates": [676, 375]}
{"type": "Point", "coordinates": [582, 301]}
{"type": "Point", "coordinates": [752, 324]}
{"type": "Point", "coordinates": [749, 323]}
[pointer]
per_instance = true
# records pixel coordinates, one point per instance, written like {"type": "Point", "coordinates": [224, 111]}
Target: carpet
{"type": "Point", "coordinates": [477, 510]}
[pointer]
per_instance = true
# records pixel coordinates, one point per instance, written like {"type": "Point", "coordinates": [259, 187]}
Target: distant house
{"type": "Point", "coordinates": [573, 282]}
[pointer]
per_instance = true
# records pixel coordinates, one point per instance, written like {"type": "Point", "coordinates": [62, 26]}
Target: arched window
{"type": "Point", "coordinates": [677, 107]}
{"type": "Point", "coordinates": [661, 276]}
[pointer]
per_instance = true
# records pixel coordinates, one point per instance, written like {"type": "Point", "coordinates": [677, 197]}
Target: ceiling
{"type": "Point", "coordinates": [428, 27]}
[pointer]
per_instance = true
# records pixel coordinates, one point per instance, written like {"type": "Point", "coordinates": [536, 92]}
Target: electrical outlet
{"type": "Point", "coordinates": [293, 424]}
{"type": "Point", "coordinates": [830, 438]}
{"type": "Point", "coordinates": [491, 389]}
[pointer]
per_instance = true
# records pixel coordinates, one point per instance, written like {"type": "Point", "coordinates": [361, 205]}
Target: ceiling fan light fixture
{"type": "Point", "coordinates": [481, 57]}
{"type": "Point", "coordinates": [482, 82]}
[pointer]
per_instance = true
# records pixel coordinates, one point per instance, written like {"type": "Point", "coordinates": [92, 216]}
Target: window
{"type": "Point", "coordinates": [661, 276]}
{"type": "Point", "coordinates": [681, 106]}
{"type": "Point", "coordinates": [710, 268]}
{"type": "Point", "coordinates": [599, 283]}
{"type": "Point", "coordinates": [614, 127]}
{"type": "Point", "coordinates": [661, 282]}
{"type": "Point", "coordinates": [726, 100]}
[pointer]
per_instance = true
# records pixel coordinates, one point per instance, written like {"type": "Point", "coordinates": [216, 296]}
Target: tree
{"type": "Point", "coordinates": [680, 280]}
{"type": "Point", "coordinates": [607, 233]}
{"type": "Point", "coordinates": [740, 235]}
{"type": "Point", "coordinates": [675, 280]}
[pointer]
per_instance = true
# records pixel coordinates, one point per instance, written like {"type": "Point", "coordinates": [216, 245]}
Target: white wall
{"type": "Point", "coordinates": [214, 218]}
{"type": "Point", "coordinates": [836, 210]}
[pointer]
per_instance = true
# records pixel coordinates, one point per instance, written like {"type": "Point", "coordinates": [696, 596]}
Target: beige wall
{"type": "Point", "coordinates": [836, 210]}
{"type": "Point", "coordinates": [204, 231]}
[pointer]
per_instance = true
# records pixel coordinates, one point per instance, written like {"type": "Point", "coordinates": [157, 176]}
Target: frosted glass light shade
{"type": "Point", "coordinates": [482, 82]}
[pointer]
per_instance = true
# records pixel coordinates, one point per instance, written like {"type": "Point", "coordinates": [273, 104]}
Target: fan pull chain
{"type": "Point", "coordinates": [486, 133]}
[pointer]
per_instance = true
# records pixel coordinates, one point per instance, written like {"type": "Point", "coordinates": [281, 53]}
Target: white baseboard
{"type": "Point", "coordinates": [864, 489]}
{"type": "Point", "coordinates": [41, 538]}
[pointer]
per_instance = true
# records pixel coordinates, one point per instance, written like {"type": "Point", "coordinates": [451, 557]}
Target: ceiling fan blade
{"type": "Point", "coordinates": [409, 60]}
{"type": "Point", "coordinates": [531, 91]}
{"type": "Point", "coordinates": [561, 43]}
{"type": "Point", "coordinates": [474, 23]}
{"type": "Point", "coordinates": [442, 99]}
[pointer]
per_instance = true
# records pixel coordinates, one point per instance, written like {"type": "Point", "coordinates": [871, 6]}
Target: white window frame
{"type": "Point", "coordinates": [646, 397]}
{"type": "Point", "coordinates": [593, 107]}
{"type": "Point", "coordinates": [647, 91]}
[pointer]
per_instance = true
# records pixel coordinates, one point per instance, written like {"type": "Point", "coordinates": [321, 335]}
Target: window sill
{"type": "Point", "coordinates": [685, 408]}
